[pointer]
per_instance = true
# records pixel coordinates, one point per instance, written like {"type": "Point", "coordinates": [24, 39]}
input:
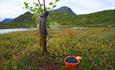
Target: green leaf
{"type": "Point", "coordinates": [48, 8]}
{"type": "Point", "coordinates": [36, 4]}
{"type": "Point", "coordinates": [54, 6]}
{"type": "Point", "coordinates": [51, 3]}
{"type": "Point", "coordinates": [56, 0]}
{"type": "Point", "coordinates": [26, 4]}
{"type": "Point", "coordinates": [41, 4]}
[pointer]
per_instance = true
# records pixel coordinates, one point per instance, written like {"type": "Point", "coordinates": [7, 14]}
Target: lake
{"type": "Point", "coordinates": [3, 31]}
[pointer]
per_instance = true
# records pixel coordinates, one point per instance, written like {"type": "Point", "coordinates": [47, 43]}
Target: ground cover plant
{"type": "Point", "coordinates": [96, 46]}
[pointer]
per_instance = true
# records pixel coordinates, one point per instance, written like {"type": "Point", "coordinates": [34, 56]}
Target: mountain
{"type": "Point", "coordinates": [23, 18]}
{"type": "Point", "coordinates": [64, 10]}
{"type": "Point", "coordinates": [26, 20]}
{"type": "Point", "coordinates": [101, 18]}
{"type": "Point", "coordinates": [7, 20]}
{"type": "Point", "coordinates": [23, 21]}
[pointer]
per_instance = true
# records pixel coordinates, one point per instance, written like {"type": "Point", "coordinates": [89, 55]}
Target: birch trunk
{"type": "Point", "coordinates": [43, 31]}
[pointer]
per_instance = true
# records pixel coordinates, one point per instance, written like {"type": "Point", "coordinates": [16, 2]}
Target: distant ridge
{"type": "Point", "coordinates": [64, 10]}
{"type": "Point", "coordinates": [7, 20]}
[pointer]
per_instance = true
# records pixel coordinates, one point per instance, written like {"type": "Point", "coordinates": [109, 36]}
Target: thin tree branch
{"type": "Point", "coordinates": [44, 5]}
{"type": "Point", "coordinates": [40, 4]}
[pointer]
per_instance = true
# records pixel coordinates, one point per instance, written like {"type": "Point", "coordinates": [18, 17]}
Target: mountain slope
{"type": "Point", "coordinates": [25, 20]}
{"type": "Point", "coordinates": [102, 18]}
{"type": "Point", "coordinates": [64, 10]}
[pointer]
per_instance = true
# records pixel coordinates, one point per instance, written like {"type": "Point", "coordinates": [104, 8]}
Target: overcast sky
{"type": "Point", "coordinates": [13, 8]}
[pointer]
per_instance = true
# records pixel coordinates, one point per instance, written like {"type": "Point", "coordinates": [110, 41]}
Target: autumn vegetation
{"type": "Point", "coordinates": [20, 50]}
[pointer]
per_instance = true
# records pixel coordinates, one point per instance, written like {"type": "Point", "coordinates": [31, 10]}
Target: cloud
{"type": "Point", "coordinates": [88, 6]}
{"type": "Point", "coordinates": [13, 8]}
{"type": "Point", "coordinates": [10, 9]}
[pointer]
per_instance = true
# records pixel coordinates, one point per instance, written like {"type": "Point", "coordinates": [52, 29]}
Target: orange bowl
{"type": "Point", "coordinates": [71, 65]}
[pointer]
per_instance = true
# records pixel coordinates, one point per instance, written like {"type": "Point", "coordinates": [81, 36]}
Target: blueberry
{"type": "Point", "coordinates": [71, 60]}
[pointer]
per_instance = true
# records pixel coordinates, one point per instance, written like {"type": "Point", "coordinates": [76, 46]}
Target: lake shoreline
{"type": "Point", "coordinates": [63, 26]}
{"type": "Point", "coordinates": [4, 31]}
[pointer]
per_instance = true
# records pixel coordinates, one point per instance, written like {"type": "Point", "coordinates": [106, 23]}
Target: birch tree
{"type": "Point", "coordinates": [41, 11]}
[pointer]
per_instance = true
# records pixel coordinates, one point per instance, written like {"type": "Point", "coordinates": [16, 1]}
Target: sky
{"type": "Point", "coordinates": [14, 8]}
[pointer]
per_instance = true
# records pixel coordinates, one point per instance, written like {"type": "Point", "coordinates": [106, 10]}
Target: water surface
{"type": "Point", "coordinates": [3, 31]}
